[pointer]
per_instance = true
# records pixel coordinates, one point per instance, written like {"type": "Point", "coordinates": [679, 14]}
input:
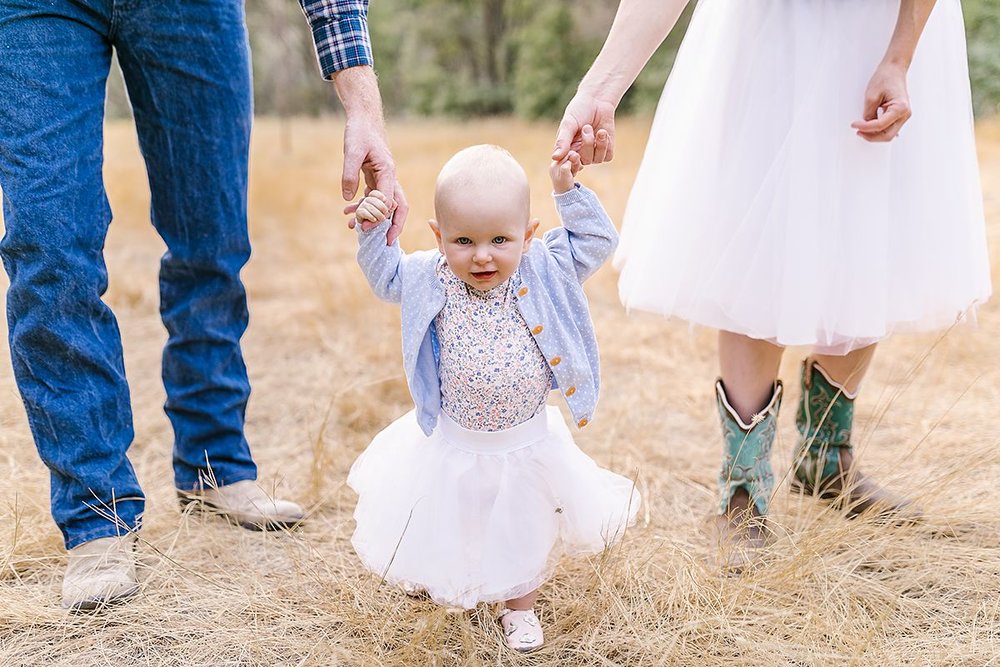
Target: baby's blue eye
{"type": "Point", "coordinates": [499, 240]}
{"type": "Point", "coordinates": [463, 240]}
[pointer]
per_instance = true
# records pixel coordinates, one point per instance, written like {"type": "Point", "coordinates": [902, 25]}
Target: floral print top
{"type": "Point", "coordinates": [493, 376]}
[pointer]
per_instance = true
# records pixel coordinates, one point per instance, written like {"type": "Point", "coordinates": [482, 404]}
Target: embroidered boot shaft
{"type": "Point", "coordinates": [747, 450]}
{"type": "Point", "coordinates": [824, 420]}
{"type": "Point", "coordinates": [824, 458]}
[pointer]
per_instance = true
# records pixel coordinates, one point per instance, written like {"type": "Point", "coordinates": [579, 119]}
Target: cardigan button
{"type": "Point", "coordinates": [537, 330]}
{"type": "Point", "coordinates": [523, 291]}
{"type": "Point", "coordinates": [583, 422]}
{"type": "Point", "coordinates": [555, 361]}
{"type": "Point", "coordinates": [570, 391]}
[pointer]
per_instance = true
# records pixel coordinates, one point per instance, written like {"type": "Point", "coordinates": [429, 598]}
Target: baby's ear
{"type": "Point", "coordinates": [437, 233]}
{"type": "Point", "coordinates": [529, 233]}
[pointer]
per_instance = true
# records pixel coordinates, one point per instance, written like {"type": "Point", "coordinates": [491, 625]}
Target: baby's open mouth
{"type": "Point", "coordinates": [484, 275]}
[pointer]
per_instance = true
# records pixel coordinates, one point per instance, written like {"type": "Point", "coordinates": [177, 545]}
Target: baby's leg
{"type": "Point", "coordinates": [523, 602]}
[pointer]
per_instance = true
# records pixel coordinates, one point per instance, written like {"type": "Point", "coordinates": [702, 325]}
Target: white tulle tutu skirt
{"type": "Point", "coordinates": [758, 210]}
{"type": "Point", "coordinates": [471, 516]}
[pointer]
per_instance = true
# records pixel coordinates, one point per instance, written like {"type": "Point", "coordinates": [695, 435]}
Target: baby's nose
{"type": "Point", "coordinates": [483, 255]}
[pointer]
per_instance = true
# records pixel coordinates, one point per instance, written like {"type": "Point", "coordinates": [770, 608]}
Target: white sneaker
{"type": "Point", "coordinates": [247, 505]}
{"type": "Point", "coordinates": [100, 572]}
{"type": "Point", "coordinates": [521, 629]}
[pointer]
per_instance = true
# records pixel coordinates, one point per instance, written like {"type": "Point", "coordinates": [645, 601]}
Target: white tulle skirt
{"type": "Point", "coordinates": [758, 210]}
{"type": "Point", "coordinates": [473, 516]}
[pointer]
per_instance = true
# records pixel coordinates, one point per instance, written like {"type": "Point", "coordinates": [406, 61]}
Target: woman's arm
{"type": "Point", "coordinates": [588, 125]}
{"type": "Point", "coordinates": [910, 24]}
{"type": "Point", "coordinates": [887, 88]}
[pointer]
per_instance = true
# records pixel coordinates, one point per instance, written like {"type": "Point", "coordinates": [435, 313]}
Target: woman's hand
{"type": "Point", "coordinates": [887, 104]}
{"type": "Point", "coordinates": [587, 128]}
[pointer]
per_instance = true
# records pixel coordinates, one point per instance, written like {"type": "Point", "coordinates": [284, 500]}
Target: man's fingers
{"type": "Point", "coordinates": [383, 179]}
{"type": "Point", "coordinates": [352, 166]}
{"type": "Point", "coordinates": [398, 216]}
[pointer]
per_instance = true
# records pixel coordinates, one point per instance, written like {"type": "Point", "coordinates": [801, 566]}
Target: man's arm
{"type": "Point", "coordinates": [343, 45]}
{"type": "Point", "coordinates": [340, 31]}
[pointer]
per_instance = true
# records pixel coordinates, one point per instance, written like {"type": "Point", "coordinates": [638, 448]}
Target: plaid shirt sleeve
{"type": "Point", "coordinates": [340, 30]}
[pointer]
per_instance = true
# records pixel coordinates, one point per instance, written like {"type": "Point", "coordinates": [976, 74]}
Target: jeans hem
{"type": "Point", "coordinates": [196, 483]}
{"type": "Point", "coordinates": [106, 529]}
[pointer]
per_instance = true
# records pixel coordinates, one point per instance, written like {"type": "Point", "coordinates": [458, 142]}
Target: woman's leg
{"type": "Point", "coordinates": [748, 396]}
{"type": "Point", "coordinates": [749, 369]}
{"type": "Point", "coordinates": [847, 370]}
{"type": "Point", "coordinates": [523, 602]}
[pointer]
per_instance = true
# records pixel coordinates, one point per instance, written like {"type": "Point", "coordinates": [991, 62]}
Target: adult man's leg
{"type": "Point", "coordinates": [64, 341]}
{"type": "Point", "coordinates": [187, 68]}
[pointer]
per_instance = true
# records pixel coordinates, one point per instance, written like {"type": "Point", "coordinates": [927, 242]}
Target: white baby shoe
{"type": "Point", "coordinates": [246, 504]}
{"type": "Point", "coordinates": [521, 629]}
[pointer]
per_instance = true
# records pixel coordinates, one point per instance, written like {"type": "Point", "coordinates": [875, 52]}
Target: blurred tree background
{"type": "Point", "coordinates": [489, 57]}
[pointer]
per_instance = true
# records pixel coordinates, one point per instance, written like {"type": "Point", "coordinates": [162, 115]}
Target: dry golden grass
{"type": "Point", "coordinates": [325, 365]}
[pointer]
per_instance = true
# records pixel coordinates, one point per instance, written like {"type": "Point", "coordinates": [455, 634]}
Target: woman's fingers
{"type": "Point", "coordinates": [893, 113]}
{"type": "Point", "coordinates": [587, 142]}
{"type": "Point", "coordinates": [886, 126]}
{"type": "Point", "coordinates": [602, 142]}
{"type": "Point", "coordinates": [888, 134]}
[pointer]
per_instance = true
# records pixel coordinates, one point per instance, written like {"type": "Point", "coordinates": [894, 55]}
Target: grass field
{"type": "Point", "coordinates": [324, 361]}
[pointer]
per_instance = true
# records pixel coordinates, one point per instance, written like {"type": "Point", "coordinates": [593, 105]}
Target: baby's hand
{"type": "Point", "coordinates": [370, 211]}
{"type": "Point", "coordinates": [563, 171]}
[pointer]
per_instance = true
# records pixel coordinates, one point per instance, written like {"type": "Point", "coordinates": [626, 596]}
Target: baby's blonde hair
{"type": "Point", "coordinates": [477, 172]}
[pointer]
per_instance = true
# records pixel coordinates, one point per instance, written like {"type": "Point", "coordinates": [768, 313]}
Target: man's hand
{"type": "Point", "coordinates": [366, 151]}
{"type": "Point", "coordinates": [562, 172]}
{"type": "Point", "coordinates": [587, 127]}
{"type": "Point", "coordinates": [366, 148]}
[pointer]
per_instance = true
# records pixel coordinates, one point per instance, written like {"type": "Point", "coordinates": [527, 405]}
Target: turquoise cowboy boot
{"type": "Point", "coordinates": [824, 458]}
{"type": "Point", "coordinates": [746, 480]}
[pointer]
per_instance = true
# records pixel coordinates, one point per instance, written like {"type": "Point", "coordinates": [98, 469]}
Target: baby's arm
{"type": "Point", "coordinates": [382, 264]}
{"type": "Point", "coordinates": [587, 238]}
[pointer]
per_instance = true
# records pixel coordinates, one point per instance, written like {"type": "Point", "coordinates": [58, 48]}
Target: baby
{"type": "Point", "coordinates": [475, 494]}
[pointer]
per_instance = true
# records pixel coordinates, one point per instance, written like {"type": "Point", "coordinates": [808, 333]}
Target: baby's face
{"type": "Point", "coordinates": [483, 246]}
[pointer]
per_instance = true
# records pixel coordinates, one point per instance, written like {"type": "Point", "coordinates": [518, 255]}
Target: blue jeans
{"type": "Point", "coordinates": [186, 67]}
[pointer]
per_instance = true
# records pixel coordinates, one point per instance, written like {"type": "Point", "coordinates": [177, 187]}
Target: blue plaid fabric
{"type": "Point", "coordinates": [340, 30]}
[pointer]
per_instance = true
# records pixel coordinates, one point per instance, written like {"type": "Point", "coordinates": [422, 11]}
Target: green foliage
{"type": "Point", "coordinates": [485, 57]}
{"type": "Point", "coordinates": [551, 59]}
{"type": "Point", "coordinates": [982, 23]}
